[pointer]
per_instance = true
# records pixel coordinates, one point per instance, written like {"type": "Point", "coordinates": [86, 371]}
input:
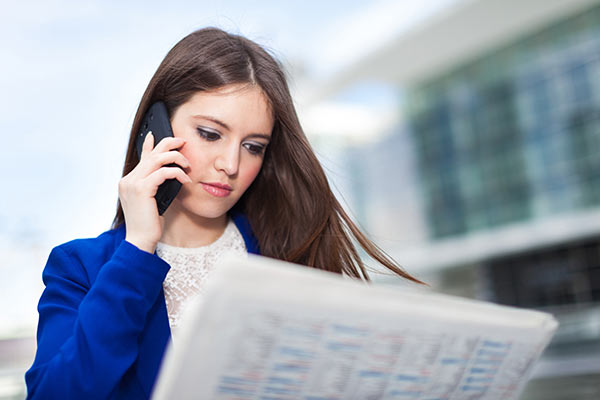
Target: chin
{"type": "Point", "coordinates": [205, 209]}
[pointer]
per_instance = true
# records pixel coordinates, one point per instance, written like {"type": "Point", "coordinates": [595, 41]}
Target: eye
{"type": "Point", "coordinates": [255, 148]}
{"type": "Point", "coordinates": [211, 136]}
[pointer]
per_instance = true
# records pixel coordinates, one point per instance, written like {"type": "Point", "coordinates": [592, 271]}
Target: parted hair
{"type": "Point", "coordinates": [290, 206]}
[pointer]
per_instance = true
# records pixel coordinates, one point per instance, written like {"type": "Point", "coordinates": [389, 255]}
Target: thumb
{"type": "Point", "coordinates": [148, 144]}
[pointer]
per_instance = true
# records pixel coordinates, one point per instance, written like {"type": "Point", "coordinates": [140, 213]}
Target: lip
{"type": "Point", "coordinates": [217, 189]}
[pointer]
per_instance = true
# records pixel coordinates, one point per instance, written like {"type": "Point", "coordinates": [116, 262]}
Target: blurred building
{"type": "Point", "coordinates": [500, 135]}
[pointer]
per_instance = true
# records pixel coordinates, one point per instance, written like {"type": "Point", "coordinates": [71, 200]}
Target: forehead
{"type": "Point", "coordinates": [244, 107]}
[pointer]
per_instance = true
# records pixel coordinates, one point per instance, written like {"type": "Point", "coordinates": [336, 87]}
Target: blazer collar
{"type": "Point", "coordinates": [240, 220]}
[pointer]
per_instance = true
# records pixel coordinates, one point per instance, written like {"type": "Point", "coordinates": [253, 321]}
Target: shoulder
{"type": "Point", "coordinates": [101, 246]}
{"type": "Point", "coordinates": [88, 254]}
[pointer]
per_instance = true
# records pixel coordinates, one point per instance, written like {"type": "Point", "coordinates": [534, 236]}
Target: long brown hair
{"type": "Point", "coordinates": [290, 206]}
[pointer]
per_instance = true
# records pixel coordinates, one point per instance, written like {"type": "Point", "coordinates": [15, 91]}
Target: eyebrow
{"type": "Point", "coordinates": [225, 126]}
{"type": "Point", "coordinates": [213, 119]}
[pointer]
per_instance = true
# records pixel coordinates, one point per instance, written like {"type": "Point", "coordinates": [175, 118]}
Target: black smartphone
{"type": "Point", "coordinates": [157, 121]}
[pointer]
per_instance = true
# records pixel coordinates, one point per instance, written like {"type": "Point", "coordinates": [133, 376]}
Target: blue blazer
{"type": "Point", "coordinates": [103, 325]}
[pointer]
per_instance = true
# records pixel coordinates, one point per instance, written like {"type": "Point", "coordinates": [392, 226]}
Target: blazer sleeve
{"type": "Point", "coordinates": [88, 334]}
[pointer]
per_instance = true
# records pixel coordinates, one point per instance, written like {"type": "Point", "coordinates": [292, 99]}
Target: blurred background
{"type": "Point", "coordinates": [463, 135]}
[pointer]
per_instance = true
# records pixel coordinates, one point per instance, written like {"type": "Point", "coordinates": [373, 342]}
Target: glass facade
{"type": "Point", "coordinates": [513, 135]}
{"type": "Point", "coordinates": [510, 137]}
{"type": "Point", "coordinates": [564, 275]}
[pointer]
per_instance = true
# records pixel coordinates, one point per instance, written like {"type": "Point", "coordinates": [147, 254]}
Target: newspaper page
{"type": "Point", "coordinates": [267, 329]}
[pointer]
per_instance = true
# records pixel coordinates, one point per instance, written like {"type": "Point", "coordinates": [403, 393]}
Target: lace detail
{"type": "Point", "coordinates": [191, 267]}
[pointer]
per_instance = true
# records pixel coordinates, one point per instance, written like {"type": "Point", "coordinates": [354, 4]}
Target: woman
{"type": "Point", "coordinates": [250, 183]}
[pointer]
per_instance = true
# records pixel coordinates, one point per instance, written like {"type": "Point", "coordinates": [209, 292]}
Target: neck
{"type": "Point", "coordinates": [184, 230]}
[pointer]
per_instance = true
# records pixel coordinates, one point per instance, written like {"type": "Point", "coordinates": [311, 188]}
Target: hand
{"type": "Point", "coordinates": [137, 190]}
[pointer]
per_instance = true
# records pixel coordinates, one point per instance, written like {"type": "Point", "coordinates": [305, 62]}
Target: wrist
{"type": "Point", "coordinates": [143, 245]}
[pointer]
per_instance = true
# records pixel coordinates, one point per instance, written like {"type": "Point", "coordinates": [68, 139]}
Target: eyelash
{"type": "Point", "coordinates": [255, 149]}
{"type": "Point", "coordinates": [210, 136]}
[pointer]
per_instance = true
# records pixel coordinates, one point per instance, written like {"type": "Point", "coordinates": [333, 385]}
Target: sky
{"type": "Point", "coordinates": [72, 75]}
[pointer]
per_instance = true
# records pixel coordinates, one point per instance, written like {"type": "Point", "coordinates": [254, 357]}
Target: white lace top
{"type": "Point", "coordinates": [191, 267]}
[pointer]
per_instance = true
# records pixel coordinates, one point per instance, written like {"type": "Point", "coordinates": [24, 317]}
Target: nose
{"type": "Point", "coordinates": [228, 159]}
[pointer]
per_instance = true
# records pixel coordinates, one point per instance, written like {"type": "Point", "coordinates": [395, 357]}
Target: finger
{"type": "Point", "coordinates": [154, 161]}
{"type": "Point", "coordinates": [148, 144]}
{"type": "Point", "coordinates": [170, 157]}
{"type": "Point", "coordinates": [169, 143]}
{"type": "Point", "coordinates": [159, 176]}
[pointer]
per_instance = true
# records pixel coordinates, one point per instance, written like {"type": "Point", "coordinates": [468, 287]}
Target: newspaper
{"type": "Point", "coordinates": [267, 329]}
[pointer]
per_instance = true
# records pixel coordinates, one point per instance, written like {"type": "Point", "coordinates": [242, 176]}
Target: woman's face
{"type": "Point", "coordinates": [226, 132]}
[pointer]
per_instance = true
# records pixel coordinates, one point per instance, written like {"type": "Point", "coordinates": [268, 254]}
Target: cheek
{"type": "Point", "coordinates": [249, 173]}
{"type": "Point", "coordinates": [187, 153]}
{"type": "Point", "coordinates": [197, 159]}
